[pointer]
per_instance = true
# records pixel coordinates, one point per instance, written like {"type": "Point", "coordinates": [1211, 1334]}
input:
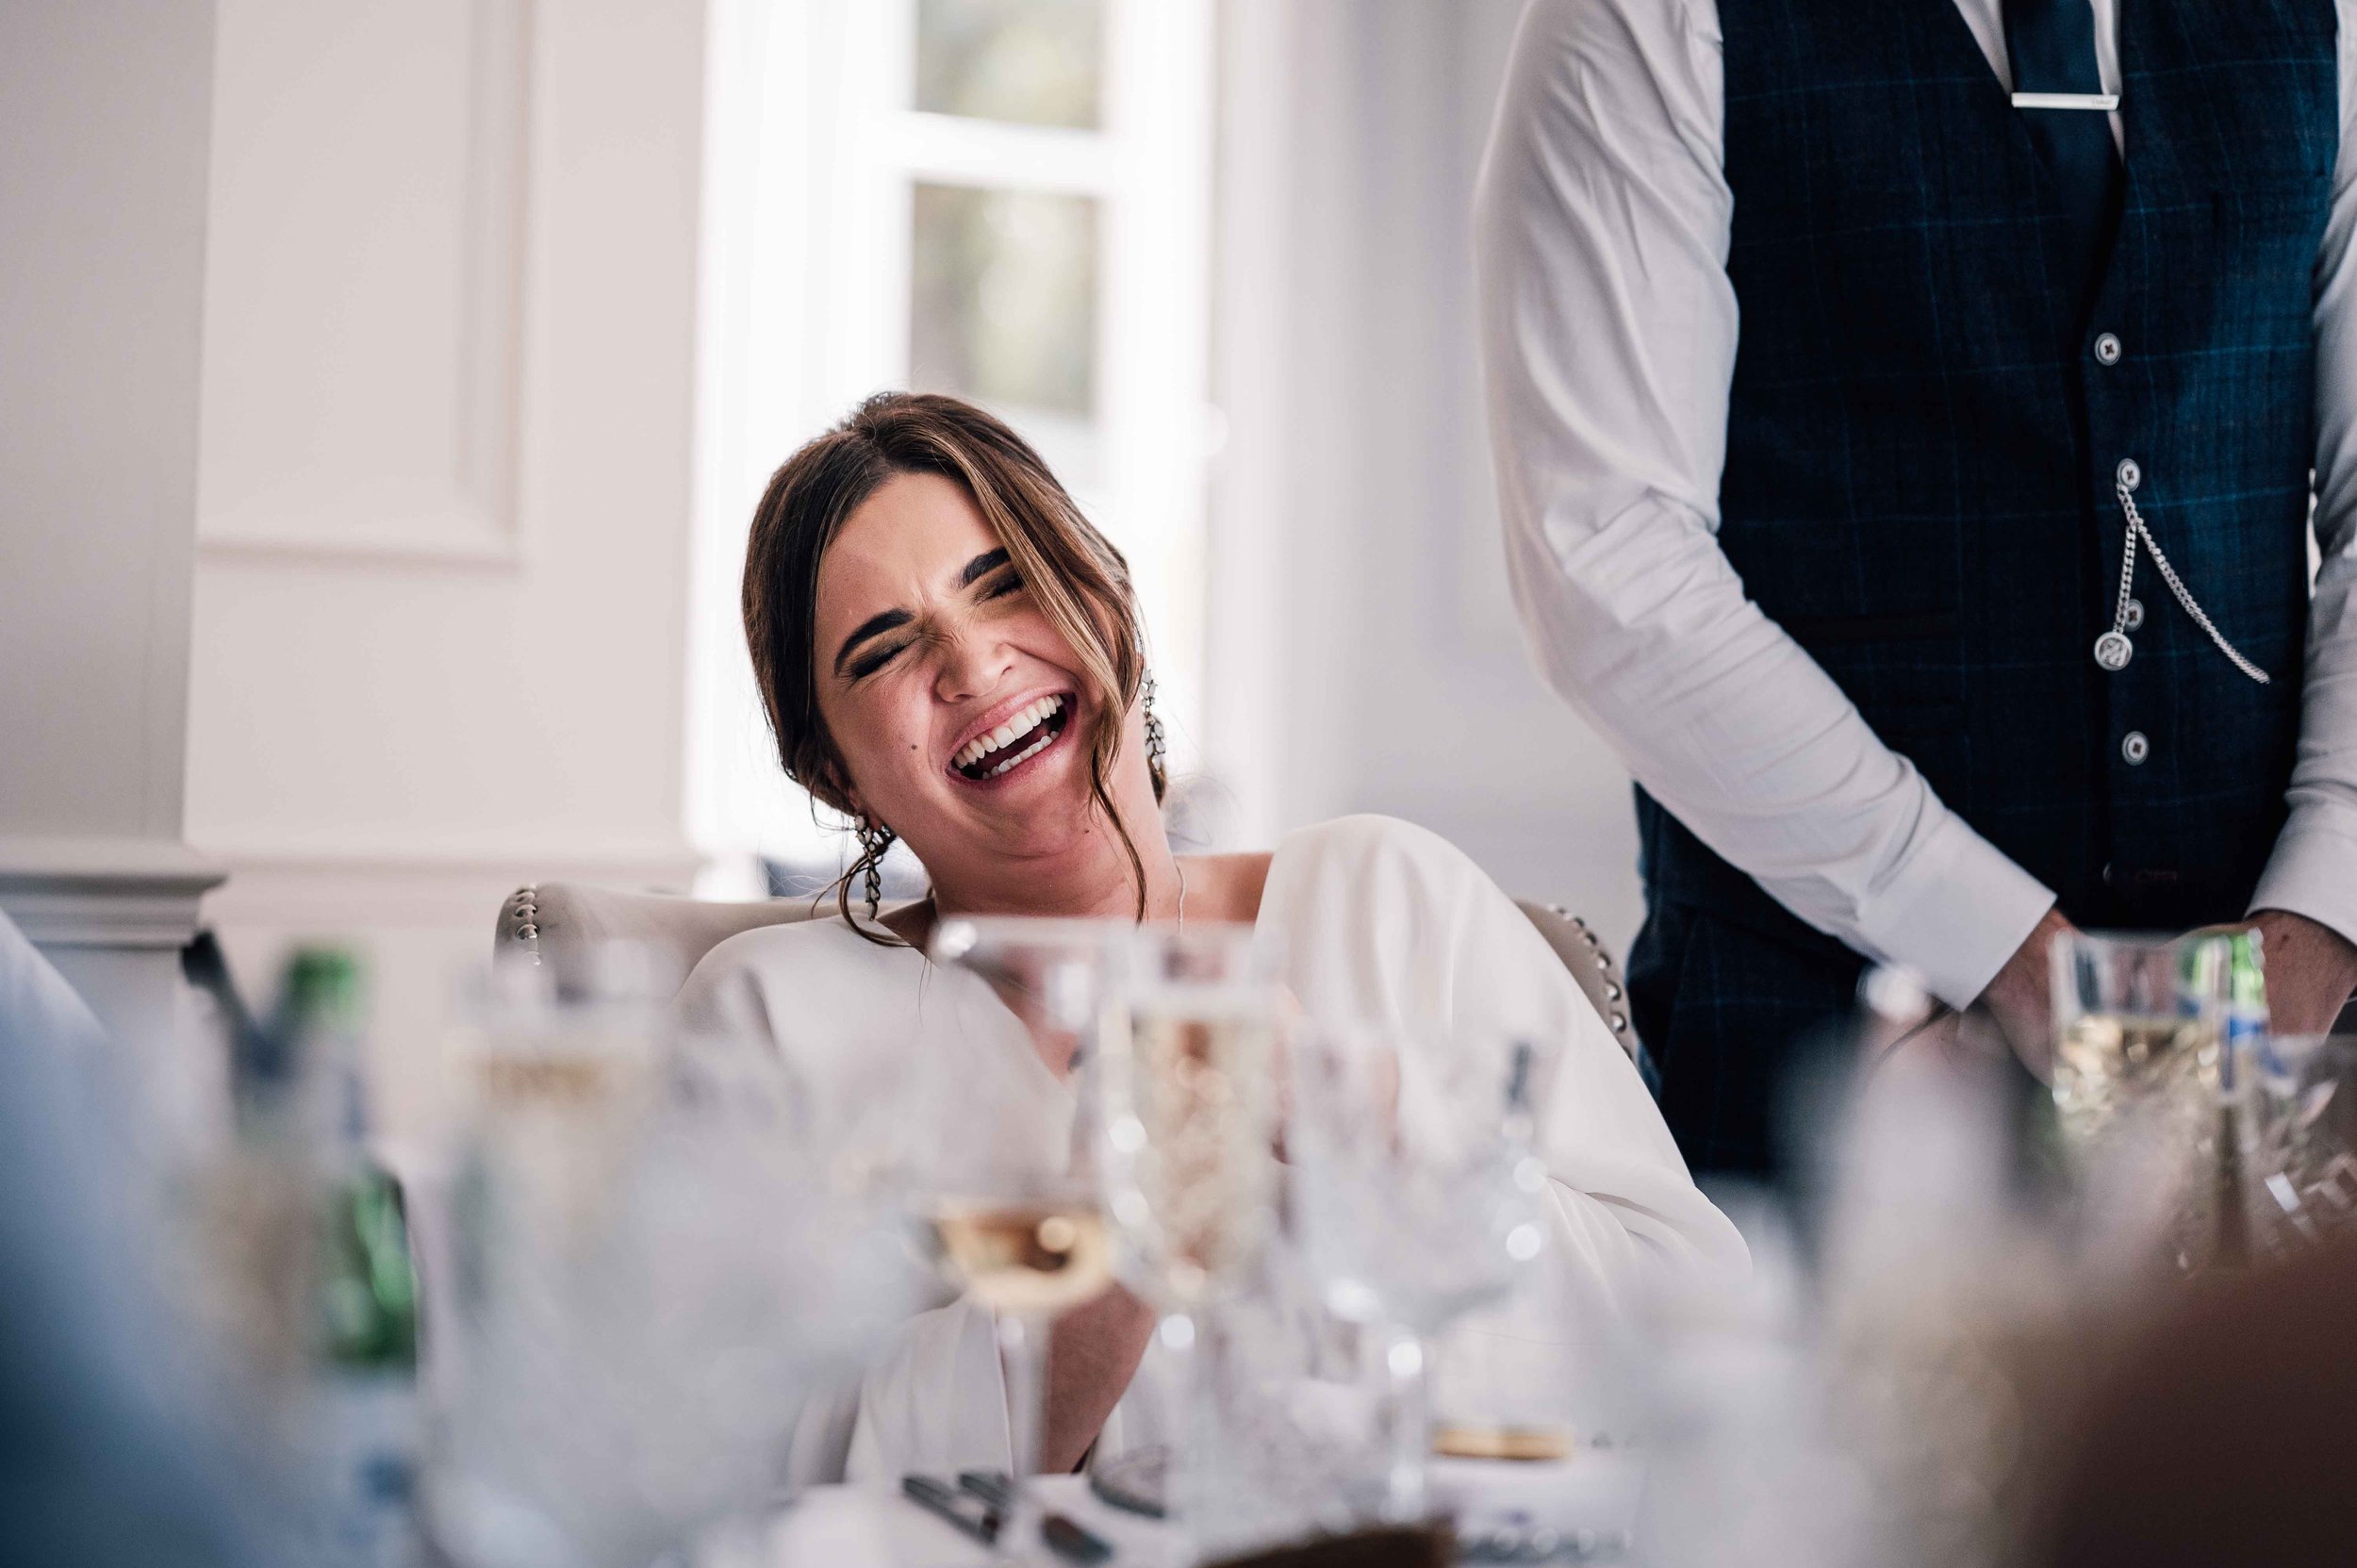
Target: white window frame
{"type": "Point", "coordinates": [812, 151]}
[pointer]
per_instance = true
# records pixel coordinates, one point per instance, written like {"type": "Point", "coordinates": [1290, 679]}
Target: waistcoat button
{"type": "Point", "coordinates": [2107, 349]}
{"type": "Point", "coordinates": [2128, 474]}
{"type": "Point", "coordinates": [2135, 748]}
{"type": "Point", "coordinates": [2134, 615]}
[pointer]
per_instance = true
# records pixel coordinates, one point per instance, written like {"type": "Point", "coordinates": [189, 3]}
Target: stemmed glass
{"type": "Point", "coordinates": [1417, 1196]}
{"type": "Point", "coordinates": [1017, 1221]}
{"type": "Point", "coordinates": [650, 1270]}
{"type": "Point", "coordinates": [1188, 1086]}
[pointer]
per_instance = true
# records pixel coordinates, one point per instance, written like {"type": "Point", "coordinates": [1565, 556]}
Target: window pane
{"type": "Point", "coordinates": [1036, 61]}
{"type": "Point", "coordinates": [1002, 297]}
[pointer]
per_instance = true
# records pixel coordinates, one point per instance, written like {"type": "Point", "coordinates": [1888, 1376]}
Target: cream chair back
{"type": "Point", "coordinates": [556, 922]}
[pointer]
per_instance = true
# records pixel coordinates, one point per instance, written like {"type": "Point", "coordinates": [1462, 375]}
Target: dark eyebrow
{"type": "Point", "coordinates": [875, 625]}
{"type": "Point", "coordinates": [980, 567]}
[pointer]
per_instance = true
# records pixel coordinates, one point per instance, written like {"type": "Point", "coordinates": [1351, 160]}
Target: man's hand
{"type": "Point", "coordinates": [2021, 998]}
{"type": "Point", "coordinates": [2312, 969]}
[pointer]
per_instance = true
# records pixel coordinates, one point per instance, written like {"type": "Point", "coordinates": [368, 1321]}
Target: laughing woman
{"type": "Point", "coordinates": [950, 656]}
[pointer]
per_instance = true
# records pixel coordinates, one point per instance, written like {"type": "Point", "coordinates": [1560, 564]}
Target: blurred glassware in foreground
{"type": "Point", "coordinates": [2139, 1021]}
{"type": "Point", "coordinates": [652, 1270]}
{"type": "Point", "coordinates": [2147, 1098]}
{"type": "Point", "coordinates": [1188, 1080]}
{"type": "Point", "coordinates": [1022, 1230]}
{"type": "Point", "coordinates": [302, 1267]}
{"type": "Point", "coordinates": [2303, 1162]}
{"type": "Point", "coordinates": [1419, 1196]}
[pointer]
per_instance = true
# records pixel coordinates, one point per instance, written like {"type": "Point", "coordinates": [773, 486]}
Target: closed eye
{"type": "Point", "coordinates": [1007, 581]}
{"type": "Point", "coordinates": [868, 663]}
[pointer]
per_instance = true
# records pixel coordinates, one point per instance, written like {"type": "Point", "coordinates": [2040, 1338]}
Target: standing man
{"type": "Point", "coordinates": [1964, 595]}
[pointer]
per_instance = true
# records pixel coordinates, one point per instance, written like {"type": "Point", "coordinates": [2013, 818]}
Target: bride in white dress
{"type": "Point", "coordinates": [950, 655]}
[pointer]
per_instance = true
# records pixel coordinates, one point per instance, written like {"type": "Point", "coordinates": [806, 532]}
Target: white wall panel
{"type": "Point", "coordinates": [424, 671]}
{"type": "Point", "coordinates": [361, 302]}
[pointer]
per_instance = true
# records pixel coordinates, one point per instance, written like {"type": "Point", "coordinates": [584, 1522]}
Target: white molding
{"type": "Point", "coordinates": [482, 525]}
{"type": "Point", "coordinates": [355, 887]}
{"type": "Point", "coordinates": [104, 892]}
{"type": "Point", "coordinates": [458, 538]}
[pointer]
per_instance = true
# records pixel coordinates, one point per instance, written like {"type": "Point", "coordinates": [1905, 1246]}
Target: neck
{"type": "Point", "coordinates": [1093, 881]}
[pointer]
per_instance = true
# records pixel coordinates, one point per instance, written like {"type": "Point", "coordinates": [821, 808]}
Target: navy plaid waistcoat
{"type": "Point", "coordinates": [1921, 443]}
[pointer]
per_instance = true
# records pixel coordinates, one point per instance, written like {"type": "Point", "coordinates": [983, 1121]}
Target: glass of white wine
{"type": "Point", "coordinates": [1017, 1220]}
{"type": "Point", "coordinates": [2136, 1020]}
{"type": "Point", "coordinates": [2144, 1093]}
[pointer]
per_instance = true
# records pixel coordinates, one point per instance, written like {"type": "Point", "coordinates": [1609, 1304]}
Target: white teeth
{"type": "Point", "coordinates": [1018, 724]}
{"type": "Point", "coordinates": [1030, 751]}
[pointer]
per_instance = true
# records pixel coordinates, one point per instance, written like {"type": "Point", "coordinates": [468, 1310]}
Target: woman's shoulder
{"type": "Point", "coordinates": [1375, 866]}
{"type": "Point", "coordinates": [790, 953]}
{"type": "Point", "coordinates": [1369, 844]}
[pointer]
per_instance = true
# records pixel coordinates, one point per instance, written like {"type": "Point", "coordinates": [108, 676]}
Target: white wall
{"type": "Point", "coordinates": [103, 108]}
{"type": "Point", "coordinates": [1366, 655]}
{"type": "Point", "coordinates": [447, 452]}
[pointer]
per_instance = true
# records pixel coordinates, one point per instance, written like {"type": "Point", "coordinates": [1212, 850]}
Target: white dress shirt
{"type": "Point", "coordinates": [1369, 919]}
{"type": "Point", "coordinates": [1608, 333]}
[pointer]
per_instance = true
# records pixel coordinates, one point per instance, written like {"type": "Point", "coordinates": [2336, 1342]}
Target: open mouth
{"type": "Point", "coordinates": [1020, 736]}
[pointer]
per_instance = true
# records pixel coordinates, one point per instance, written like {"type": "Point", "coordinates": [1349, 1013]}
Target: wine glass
{"type": "Point", "coordinates": [2304, 1159]}
{"type": "Point", "coordinates": [1187, 1083]}
{"type": "Point", "coordinates": [2145, 1091]}
{"type": "Point", "coordinates": [1014, 1215]}
{"type": "Point", "coordinates": [1417, 1196]}
{"type": "Point", "coordinates": [650, 1271]}
{"type": "Point", "coordinates": [2133, 1015]}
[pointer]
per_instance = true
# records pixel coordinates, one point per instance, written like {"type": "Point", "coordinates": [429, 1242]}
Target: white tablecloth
{"type": "Point", "coordinates": [862, 1527]}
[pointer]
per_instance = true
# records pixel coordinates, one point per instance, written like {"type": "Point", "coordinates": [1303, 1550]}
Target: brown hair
{"type": "Point", "coordinates": [1077, 578]}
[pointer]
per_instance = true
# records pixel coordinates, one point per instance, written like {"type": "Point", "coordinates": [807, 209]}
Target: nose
{"type": "Point", "coordinates": [974, 659]}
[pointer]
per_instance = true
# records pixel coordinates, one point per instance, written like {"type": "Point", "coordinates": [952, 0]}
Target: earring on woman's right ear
{"type": "Point", "coordinates": [874, 839]}
{"type": "Point", "coordinates": [1155, 745]}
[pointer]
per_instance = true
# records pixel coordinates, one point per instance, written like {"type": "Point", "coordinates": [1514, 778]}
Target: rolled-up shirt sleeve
{"type": "Point", "coordinates": [1609, 329]}
{"type": "Point", "coordinates": [2314, 870]}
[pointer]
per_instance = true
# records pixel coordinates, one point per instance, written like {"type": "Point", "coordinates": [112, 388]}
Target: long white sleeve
{"type": "Point", "coordinates": [2314, 870]}
{"type": "Point", "coordinates": [1381, 920]}
{"type": "Point", "coordinates": [1608, 330]}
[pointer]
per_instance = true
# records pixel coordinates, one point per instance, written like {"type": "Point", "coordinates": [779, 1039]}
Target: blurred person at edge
{"type": "Point", "coordinates": [917, 585]}
{"type": "Point", "coordinates": [112, 1452]}
{"type": "Point", "coordinates": [1855, 604]}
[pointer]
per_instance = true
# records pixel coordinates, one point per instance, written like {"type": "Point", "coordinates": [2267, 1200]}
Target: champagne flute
{"type": "Point", "coordinates": [1016, 1220]}
{"type": "Point", "coordinates": [1188, 1086]}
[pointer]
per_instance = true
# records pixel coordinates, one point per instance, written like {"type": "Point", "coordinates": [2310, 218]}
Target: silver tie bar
{"type": "Point", "coordinates": [2102, 103]}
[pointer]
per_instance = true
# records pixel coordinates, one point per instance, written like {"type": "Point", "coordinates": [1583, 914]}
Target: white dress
{"type": "Point", "coordinates": [1375, 920]}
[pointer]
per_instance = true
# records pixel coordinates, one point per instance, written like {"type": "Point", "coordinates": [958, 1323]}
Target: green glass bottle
{"type": "Point", "coordinates": [363, 1419]}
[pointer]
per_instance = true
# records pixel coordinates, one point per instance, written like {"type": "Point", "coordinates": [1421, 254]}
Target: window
{"type": "Point", "coordinates": [1004, 199]}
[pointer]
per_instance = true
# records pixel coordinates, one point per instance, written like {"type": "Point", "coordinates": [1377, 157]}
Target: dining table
{"type": "Point", "coordinates": [1581, 1508]}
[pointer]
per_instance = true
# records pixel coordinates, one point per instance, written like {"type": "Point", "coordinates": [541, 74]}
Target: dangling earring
{"type": "Point", "coordinates": [874, 839]}
{"type": "Point", "coordinates": [1155, 745]}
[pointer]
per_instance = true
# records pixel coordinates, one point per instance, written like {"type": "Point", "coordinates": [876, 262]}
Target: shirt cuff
{"type": "Point", "coordinates": [2314, 870]}
{"type": "Point", "coordinates": [1957, 911]}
